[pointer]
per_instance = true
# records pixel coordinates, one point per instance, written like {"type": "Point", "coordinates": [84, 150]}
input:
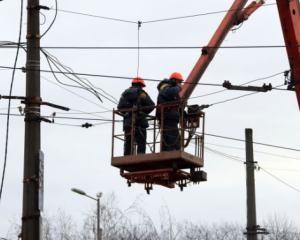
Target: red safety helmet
{"type": "Point", "coordinates": [177, 76]}
{"type": "Point", "coordinates": [139, 80]}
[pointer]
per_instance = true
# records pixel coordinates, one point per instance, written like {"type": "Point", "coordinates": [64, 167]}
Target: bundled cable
{"type": "Point", "coordinates": [82, 83]}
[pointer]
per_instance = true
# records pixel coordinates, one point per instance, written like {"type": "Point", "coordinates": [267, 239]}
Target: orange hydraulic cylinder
{"type": "Point", "coordinates": [209, 52]}
{"type": "Point", "coordinates": [246, 13]}
{"type": "Point", "coordinates": [289, 13]}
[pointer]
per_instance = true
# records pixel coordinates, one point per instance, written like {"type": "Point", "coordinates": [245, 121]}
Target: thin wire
{"type": "Point", "coordinates": [279, 179]}
{"type": "Point", "coordinates": [283, 169]}
{"type": "Point", "coordinates": [258, 79]}
{"type": "Point", "coordinates": [231, 99]}
{"type": "Point", "coordinates": [82, 82]}
{"type": "Point", "coordinates": [258, 143]}
{"type": "Point", "coordinates": [83, 112]}
{"type": "Point", "coordinates": [70, 118]}
{"type": "Point", "coordinates": [156, 47]}
{"type": "Point", "coordinates": [9, 101]}
{"type": "Point", "coordinates": [198, 15]}
{"type": "Point", "coordinates": [95, 16]}
{"type": "Point", "coordinates": [233, 158]}
{"type": "Point", "coordinates": [75, 94]}
{"type": "Point", "coordinates": [254, 151]}
{"type": "Point", "coordinates": [67, 113]}
{"type": "Point", "coordinates": [108, 76]}
{"type": "Point", "coordinates": [52, 21]}
{"type": "Point", "coordinates": [138, 50]}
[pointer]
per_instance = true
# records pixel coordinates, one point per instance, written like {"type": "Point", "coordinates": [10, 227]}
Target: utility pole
{"type": "Point", "coordinates": [250, 182]}
{"type": "Point", "coordinates": [31, 217]}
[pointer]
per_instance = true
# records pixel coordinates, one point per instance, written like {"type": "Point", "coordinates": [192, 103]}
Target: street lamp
{"type": "Point", "coordinates": [98, 195]}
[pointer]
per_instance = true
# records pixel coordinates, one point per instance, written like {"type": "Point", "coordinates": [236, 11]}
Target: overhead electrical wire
{"type": "Point", "coordinates": [157, 20]}
{"type": "Point", "coordinates": [267, 153]}
{"type": "Point", "coordinates": [82, 82]}
{"type": "Point", "coordinates": [9, 101]}
{"type": "Point", "coordinates": [107, 76]}
{"type": "Point", "coordinates": [154, 47]}
{"type": "Point", "coordinates": [237, 159]}
{"type": "Point", "coordinates": [52, 21]}
{"type": "Point", "coordinates": [235, 98]}
{"type": "Point", "coordinates": [95, 16]}
{"type": "Point", "coordinates": [70, 118]}
{"type": "Point", "coordinates": [283, 169]}
{"type": "Point", "coordinates": [76, 94]}
{"type": "Point", "coordinates": [257, 143]}
{"type": "Point", "coordinates": [200, 14]}
{"type": "Point", "coordinates": [279, 180]}
{"type": "Point", "coordinates": [251, 81]}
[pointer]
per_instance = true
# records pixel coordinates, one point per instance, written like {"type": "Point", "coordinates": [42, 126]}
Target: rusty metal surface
{"type": "Point", "coordinates": [163, 177]}
{"type": "Point", "coordinates": [156, 161]}
{"type": "Point", "coordinates": [208, 55]}
{"type": "Point", "coordinates": [163, 168]}
{"type": "Point", "coordinates": [289, 14]}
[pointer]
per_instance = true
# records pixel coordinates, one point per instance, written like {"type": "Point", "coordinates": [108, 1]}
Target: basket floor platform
{"type": "Point", "coordinates": [156, 161]}
{"type": "Point", "coordinates": [164, 168]}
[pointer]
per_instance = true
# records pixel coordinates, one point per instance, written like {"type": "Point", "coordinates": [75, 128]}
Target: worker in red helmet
{"type": "Point", "coordinates": [168, 94]}
{"type": "Point", "coordinates": [136, 97]}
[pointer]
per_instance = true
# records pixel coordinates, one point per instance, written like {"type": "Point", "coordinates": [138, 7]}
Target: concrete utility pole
{"type": "Point", "coordinates": [250, 182]}
{"type": "Point", "coordinates": [31, 217]}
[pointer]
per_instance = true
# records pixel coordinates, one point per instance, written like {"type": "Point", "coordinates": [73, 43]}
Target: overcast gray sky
{"type": "Point", "coordinates": [79, 157]}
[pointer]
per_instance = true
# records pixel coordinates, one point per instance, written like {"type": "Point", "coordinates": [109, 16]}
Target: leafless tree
{"type": "Point", "coordinates": [134, 223]}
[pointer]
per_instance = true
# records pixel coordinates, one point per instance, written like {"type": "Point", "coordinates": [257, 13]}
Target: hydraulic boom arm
{"type": "Point", "coordinates": [234, 16]}
{"type": "Point", "coordinates": [289, 14]}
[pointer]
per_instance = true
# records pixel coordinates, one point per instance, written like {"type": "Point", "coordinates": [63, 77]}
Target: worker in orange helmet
{"type": "Point", "coordinates": [136, 97]}
{"type": "Point", "coordinates": [168, 94]}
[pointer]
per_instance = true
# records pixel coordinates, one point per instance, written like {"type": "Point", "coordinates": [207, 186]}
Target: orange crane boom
{"type": "Point", "coordinates": [236, 15]}
{"type": "Point", "coordinates": [289, 14]}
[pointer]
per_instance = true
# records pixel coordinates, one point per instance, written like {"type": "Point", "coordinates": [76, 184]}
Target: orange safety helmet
{"type": "Point", "coordinates": [139, 80]}
{"type": "Point", "coordinates": [177, 76]}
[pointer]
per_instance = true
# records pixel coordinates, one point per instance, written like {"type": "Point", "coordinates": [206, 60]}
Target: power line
{"type": "Point", "coordinates": [95, 16]}
{"type": "Point", "coordinates": [70, 118]}
{"type": "Point", "coordinates": [154, 21]}
{"type": "Point", "coordinates": [75, 94]}
{"type": "Point", "coordinates": [277, 155]}
{"type": "Point", "coordinates": [251, 81]}
{"type": "Point", "coordinates": [9, 101]}
{"type": "Point", "coordinates": [279, 180]}
{"type": "Point", "coordinates": [237, 159]}
{"type": "Point", "coordinates": [235, 98]}
{"type": "Point", "coordinates": [283, 169]}
{"type": "Point", "coordinates": [198, 15]}
{"type": "Point", "coordinates": [107, 76]}
{"type": "Point", "coordinates": [52, 21]}
{"type": "Point", "coordinates": [225, 155]}
{"type": "Point", "coordinates": [257, 143]}
{"type": "Point", "coordinates": [155, 47]}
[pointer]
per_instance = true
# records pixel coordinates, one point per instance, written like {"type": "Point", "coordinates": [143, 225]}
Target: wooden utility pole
{"type": "Point", "coordinates": [32, 198]}
{"type": "Point", "coordinates": [250, 182]}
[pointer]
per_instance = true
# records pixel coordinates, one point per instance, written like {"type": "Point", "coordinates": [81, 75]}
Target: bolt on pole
{"type": "Point", "coordinates": [250, 182]}
{"type": "Point", "coordinates": [31, 216]}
